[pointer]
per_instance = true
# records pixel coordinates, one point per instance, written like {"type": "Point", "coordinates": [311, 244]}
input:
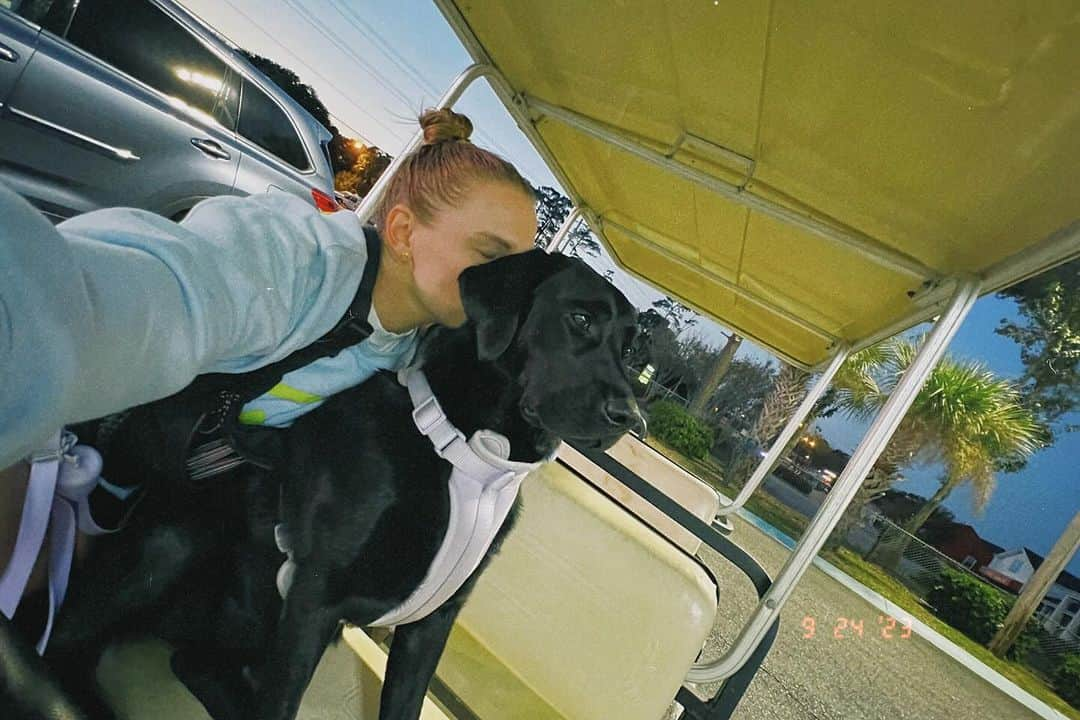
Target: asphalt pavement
{"type": "Point", "coordinates": [834, 659]}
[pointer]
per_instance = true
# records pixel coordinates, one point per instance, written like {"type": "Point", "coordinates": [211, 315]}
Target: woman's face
{"type": "Point", "coordinates": [494, 219]}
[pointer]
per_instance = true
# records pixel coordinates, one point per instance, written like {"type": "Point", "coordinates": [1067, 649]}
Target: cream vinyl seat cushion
{"type": "Point", "coordinates": [585, 613]}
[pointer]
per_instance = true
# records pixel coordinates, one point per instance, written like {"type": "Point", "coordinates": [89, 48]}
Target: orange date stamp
{"type": "Point", "coordinates": [846, 628]}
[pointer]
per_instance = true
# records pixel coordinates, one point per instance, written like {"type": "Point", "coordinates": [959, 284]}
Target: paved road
{"type": "Point", "coordinates": [822, 678]}
{"type": "Point", "coordinates": [804, 503]}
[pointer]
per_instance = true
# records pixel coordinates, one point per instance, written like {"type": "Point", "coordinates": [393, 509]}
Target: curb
{"type": "Point", "coordinates": [946, 646]}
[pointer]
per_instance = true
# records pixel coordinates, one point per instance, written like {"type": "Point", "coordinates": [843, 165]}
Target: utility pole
{"type": "Point", "coordinates": [1036, 588]}
{"type": "Point", "coordinates": [717, 370]}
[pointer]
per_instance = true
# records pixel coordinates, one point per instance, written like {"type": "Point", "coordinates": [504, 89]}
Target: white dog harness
{"type": "Point", "coordinates": [483, 487]}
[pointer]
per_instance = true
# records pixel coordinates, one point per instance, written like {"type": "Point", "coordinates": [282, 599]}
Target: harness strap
{"type": "Point", "coordinates": [220, 442]}
{"type": "Point", "coordinates": [483, 487]}
{"type": "Point", "coordinates": [62, 476]}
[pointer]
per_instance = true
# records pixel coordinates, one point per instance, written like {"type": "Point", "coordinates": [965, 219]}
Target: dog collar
{"type": "Point", "coordinates": [483, 486]}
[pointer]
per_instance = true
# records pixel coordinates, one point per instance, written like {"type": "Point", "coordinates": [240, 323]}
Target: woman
{"type": "Point", "coordinates": [120, 307]}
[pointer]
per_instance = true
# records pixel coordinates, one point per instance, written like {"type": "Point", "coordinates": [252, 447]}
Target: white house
{"type": "Point", "coordinates": [1011, 568]}
{"type": "Point", "coordinates": [1059, 611]}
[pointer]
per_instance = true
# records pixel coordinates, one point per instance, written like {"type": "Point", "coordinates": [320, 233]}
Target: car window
{"type": "Point", "coordinates": [142, 41]}
{"type": "Point", "coordinates": [53, 15]}
{"type": "Point", "coordinates": [227, 107]}
{"type": "Point", "coordinates": [264, 123]}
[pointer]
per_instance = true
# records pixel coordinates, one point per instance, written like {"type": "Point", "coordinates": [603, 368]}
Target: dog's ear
{"type": "Point", "coordinates": [495, 295]}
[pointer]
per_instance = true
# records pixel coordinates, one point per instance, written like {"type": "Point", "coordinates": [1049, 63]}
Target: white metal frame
{"type": "Point", "coordinates": [562, 235]}
{"type": "Point", "coordinates": [457, 88]}
{"type": "Point", "coordinates": [844, 489]}
{"type": "Point", "coordinates": [793, 424]}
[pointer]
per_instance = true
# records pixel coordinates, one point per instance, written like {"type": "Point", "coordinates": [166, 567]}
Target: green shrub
{"type": "Point", "coordinates": [676, 427]}
{"type": "Point", "coordinates": [1067, 680]}
{"type": "Point", "coordinates": [978, 610]}
{"type": "Point", "coordinates": [969, 605]}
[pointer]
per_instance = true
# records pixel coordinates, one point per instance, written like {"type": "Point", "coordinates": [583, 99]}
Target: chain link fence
{"type": "Point", "coordinates": [920, 567]}
{"type": "Point", "coordinates": [917, 565]}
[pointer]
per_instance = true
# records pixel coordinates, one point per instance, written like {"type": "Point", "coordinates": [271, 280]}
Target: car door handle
{"type": "Point", "coordinates": [7, 54]}
{"type": "Point", "coordinates": [211, 148]}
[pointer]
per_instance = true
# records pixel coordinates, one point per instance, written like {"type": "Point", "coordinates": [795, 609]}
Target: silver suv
{"type": "Point", "coordinates": [140, 103]}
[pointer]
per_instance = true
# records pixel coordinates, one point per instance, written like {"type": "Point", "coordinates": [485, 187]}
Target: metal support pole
{"type": "Point", "coordinates": [367, 206]}
{"type": "Point", "coordinates": [558, 241]}
{"type": "Point", "coordinates": [882, 429]}
{"type": "Point", "coordinates": [769, 461]}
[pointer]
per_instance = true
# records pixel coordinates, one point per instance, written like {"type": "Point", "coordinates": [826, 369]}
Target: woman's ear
{"type": "Point", "coordinates": [397, 234]}
{"type": "Point", "coordinates": [497, 296]}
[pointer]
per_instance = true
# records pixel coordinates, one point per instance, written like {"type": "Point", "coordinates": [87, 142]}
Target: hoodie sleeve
{"type": "Point", "coordinates": [119, 307]}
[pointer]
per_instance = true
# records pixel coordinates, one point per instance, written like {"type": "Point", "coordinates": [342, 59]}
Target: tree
{"type": "Point", "coordinates": [964, 417]}
{"type": "Point", "coordinates": [717, 369]}
{"type": "Point", "coordinates": [674, 312]}
{"type": "Point", "coordinates": [583, 242]}
{"type": "Point", "coordinates": [972, 422]}
{"type": "Point", "coordinates": [552, 208]}
{"type": "Point", "coordinates": [1035, 588]}
{"type": "Point", "coordinates": [344, 152]}
{"type": "Point", "coordinates": [370, 164]}
{"type": "Point", "coordinates": [679, 365]}
{"type": "Point", "coordinates": [737, 401]}
{"type": "Point", "coordinates": [290, 82]}
{"type": "Point", "coordinates": [1049, 340]}
{"type": "Point", "coordinates": [778, 406]}
{"type": "Point", "coordinates": [736, 404]}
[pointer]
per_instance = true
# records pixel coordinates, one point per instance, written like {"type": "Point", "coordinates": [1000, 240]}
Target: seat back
{"type": "Point", "coordinates": [662, 473]}
{"type": "Point", "coordinates": [585, 613]}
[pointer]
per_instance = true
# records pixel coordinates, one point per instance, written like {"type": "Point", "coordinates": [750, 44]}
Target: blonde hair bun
{"type": "Point", "coordinates": [444, 125]}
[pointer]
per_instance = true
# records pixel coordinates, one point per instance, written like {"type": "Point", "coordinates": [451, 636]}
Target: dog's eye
{"type": "Point", "coordinates": [582, 320]}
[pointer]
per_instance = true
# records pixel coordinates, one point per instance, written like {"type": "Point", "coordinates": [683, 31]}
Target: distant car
{"type": "Point", "coordinates": [826, 479]}
{"type": "Point", "coordinates": [805, 479]}
{"type": "Point", "coordinates": [140, 103]}
{"type": "Point", "coordinates": [347, 200]}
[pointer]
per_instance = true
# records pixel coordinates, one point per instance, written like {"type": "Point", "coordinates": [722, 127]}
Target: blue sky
{"type": "Point", "coordinates": [377, 63]}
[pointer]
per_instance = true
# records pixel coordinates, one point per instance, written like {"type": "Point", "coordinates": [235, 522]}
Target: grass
{"type": "Point", "coordinates": [881, 582]}
{"type": "Point", "coordinates": [872, 576]}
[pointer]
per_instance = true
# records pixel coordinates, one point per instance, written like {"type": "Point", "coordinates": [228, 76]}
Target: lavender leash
{"type": "Point", "coordinates": [62, 476]}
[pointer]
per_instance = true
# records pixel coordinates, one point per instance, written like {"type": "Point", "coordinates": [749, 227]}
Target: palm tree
{"type": "Point", "coordinates": [965, 417]}
{"type": "Point", "coordinates": [788, 390]}
{"type": "Point", "coordinates": [981, 425]}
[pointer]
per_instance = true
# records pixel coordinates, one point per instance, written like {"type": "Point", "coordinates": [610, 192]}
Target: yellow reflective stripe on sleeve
{"type": "Point", "coordinates": [253, 417]}
{"type": "Point", "coordinates": [286, 392]}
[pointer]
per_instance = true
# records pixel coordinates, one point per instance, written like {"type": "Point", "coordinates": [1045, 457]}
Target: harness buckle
{"type": "Point", "coordinates": [432, 422]}
{"type": "Point", "coordinates": [428, 414]}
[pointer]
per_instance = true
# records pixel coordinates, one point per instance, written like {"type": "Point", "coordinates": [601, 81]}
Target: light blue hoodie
{"type": "Point", "coordinates": [119, 307]}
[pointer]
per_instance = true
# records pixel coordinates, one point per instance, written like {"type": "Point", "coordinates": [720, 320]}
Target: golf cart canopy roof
{"type": "Point", "coordinates": [812, 176]}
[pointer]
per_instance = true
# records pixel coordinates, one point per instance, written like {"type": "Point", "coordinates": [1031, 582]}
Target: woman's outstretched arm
{"type": "Point", "coordinates": [119, 307]}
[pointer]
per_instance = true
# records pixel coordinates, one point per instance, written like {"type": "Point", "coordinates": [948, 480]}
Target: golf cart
{"type": "Point", "coordinates": [817, 179]}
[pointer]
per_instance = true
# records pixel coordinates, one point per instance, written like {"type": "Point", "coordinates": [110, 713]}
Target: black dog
{"type": "Point", "coordinates": [364, 499]}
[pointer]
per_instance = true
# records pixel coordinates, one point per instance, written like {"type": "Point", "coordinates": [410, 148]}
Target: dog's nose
{"type": "Point", "coordinates": [624, 413]}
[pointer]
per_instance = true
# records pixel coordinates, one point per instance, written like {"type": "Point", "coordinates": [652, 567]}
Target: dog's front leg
{"type": "Point", "coordinates": [304, 629]}
{"type": "Point", "coordinates": [414, 654]}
